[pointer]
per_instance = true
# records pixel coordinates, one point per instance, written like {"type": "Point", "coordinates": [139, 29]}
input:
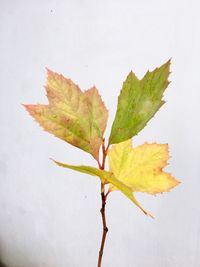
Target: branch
{"type": "Point", "coordinates": [105, 228]}
{"type": "Point", "coordinates": [103, 204]}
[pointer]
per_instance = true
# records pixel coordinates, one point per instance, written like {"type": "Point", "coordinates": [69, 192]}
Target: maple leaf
{"type": "Point", "coordinates": [106, 177]}
{"type": "Point", "coordinates": [141, 168]}
{"type": "Point", "coordinates": [76, 117]}
{"type": "Point", "coordinates": [138, 101]}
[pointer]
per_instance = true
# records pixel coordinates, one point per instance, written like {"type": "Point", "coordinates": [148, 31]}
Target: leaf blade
{"type": "Point", "coordinates": [138, 101]}
{"type": "Point", "coordinates": [141, 168]}
{"type": "Point", "coordinates": [77, 117]}
{"type": "Point", "coordinates": [106, 177]}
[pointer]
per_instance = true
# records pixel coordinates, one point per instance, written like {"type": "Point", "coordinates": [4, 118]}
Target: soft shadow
{"type": "Point", "coordinates": [2, 264]}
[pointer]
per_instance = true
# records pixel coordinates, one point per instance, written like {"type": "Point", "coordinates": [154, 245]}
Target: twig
{"type": "Point", "coordinates": [103, 204]}
{"type": "Point", "coordinates": [105, 228]}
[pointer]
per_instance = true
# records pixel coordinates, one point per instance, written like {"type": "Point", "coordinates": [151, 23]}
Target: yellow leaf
{"type": "Point", "coordinates": [141, 168]}
{"type": "Point", "coordinates": [106, 177]}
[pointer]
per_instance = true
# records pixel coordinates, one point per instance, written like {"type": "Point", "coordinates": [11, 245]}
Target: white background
{"type": "Point", "coordinates": [49, 216]}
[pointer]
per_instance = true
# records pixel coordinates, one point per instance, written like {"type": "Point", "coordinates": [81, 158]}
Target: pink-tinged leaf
{"type": "Point", "coordinates": [76, 117]}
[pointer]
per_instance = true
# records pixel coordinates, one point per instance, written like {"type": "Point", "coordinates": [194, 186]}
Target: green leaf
{"type": "Point", "coordinates": [76, 117]}
{"type": "Point", "coordinates": [106, 177]}
{"type": "Point", "coordinates": [138, 101]}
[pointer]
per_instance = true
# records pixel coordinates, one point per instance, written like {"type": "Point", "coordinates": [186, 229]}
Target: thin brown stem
{"type": "Point", "coordinates": [106, 150]}
{"type": "Point", "coordinates": [103, 205]}
{"type": "Point", "coordinates": [105, 228]}
{"type": "Point", "coordinates": [107, 194]}
{"type": "Point", "coordinates": [99, 164]}
{"type": "Point", "coordinates": [104, 155]}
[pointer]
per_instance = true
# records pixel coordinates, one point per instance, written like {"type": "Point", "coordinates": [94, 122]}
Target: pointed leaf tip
{"type": "Point", "coordinates": [106, 177]}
